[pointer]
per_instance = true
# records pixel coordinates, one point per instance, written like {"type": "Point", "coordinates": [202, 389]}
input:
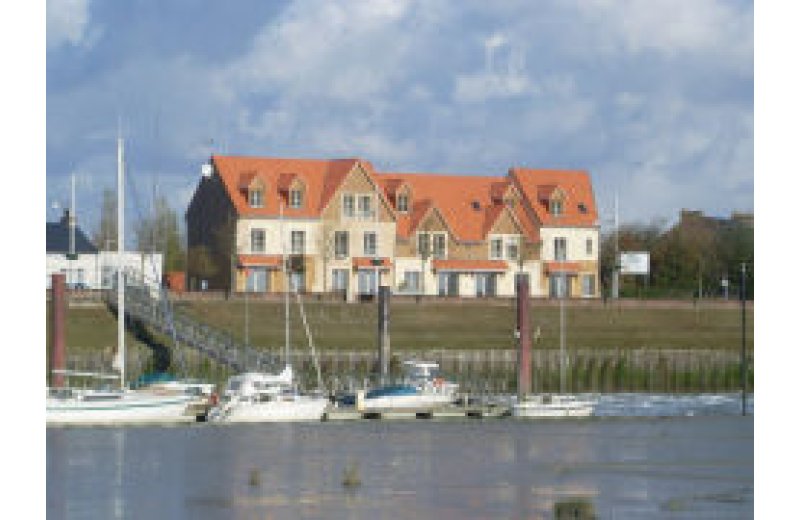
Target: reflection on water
{"type": "Point", "coordinates": [687, 467]}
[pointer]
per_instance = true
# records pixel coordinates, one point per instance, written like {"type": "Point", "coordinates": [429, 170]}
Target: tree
{"type": "Point", "coordinates": [160, 233]}
{"type": "Point", "coordinates": [201, 263]}
{"type": "Point", "coordinates": [105, 237]}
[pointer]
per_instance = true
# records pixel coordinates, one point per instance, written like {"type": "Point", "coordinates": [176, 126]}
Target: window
{"type": "Point", "coordinates": [340, 277]}
{"type": "Point", "coordinates": [588, 285]}
{"type": "Point", "coordinates": [257, 241]}
{"type": "Point", "coordinates": [423, 244]}
{"type": "Point", "coordinates": [485, 284]}
{"type": "Point", "coordinates": [365, 206]}
{"type": "Point", "coordinates": [370, 243]}
{"type": "Point", "coordinates": [512, 248]}
{"type": "Point", "coordinates": [402, 203]}
{"type": "Point", "coordinates": [341, 244]}
{"type": "Point", "coordinates": [367, 281]}
{"type": "Point", "coordinates": [589, 246]}
{"type": "Point", "coordinates": [295, 198]}
{"type": "Point", "coordinates": [496, 250]}
{"type": "Point", "coordinates": [560, 249]}
{"type": "Point", "coordinates": [439, 245]}
{"type": "Point", "coordinates": [348, 205]}
{"type": "Point", "coordinates": [257, 279]}
{"type": "Point", "coordinates": [411, 282]}
{"type": "Point", "coordinates": [256, 198]}
{"type": "Point", "coordinates": [298, 242]}
{"type": "Point", "coordinates": [448, 284]}
{"type": "Point", "coordinates": [555, 207]}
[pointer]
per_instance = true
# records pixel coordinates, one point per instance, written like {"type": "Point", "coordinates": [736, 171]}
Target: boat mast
{"type": "Point", "coordinates": [120, 276]}
{"type": "Point", "coordinates": [72, 221]}
{"type": "Point", "coordinates": [285, 289]}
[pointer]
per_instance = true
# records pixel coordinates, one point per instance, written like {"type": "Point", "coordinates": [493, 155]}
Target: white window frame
{"type": "Point", "coordinates": [584, 278]}
{"type": "Point", "coordinates": [336, 252]}
{"type": "Point", "coordinates": [254, 242]}
{"type": "Point", "coordinates": [556, 207]}
{"type": "Point", "coordinates": [508, 242]}
{"type": "Point", "coordinates": [302, 242]}
{"type": "Point", "coordinates": [492, 251]}
{"type": "Point", "coordinates": [348, 211]}
{"type": "Point", "coordinates": [255, 198]}
{"type": "Point", "coordinates": [402, 207]}
{"type": "Point", "coordinates": [505, 241]}
{"type": "Point", "coordinates": [556, 256]}
{"type": "Point", "coordinates": [368, 212]}
{"type": "Point", "coordinates": [423, 237]}
{"type": "Point", "coordinates": [408, 277]}
{"type": "Point", "coordinates": [296, 198]}
{"type": "Point", "coordinates": [435, 239]}
{"type": "Point", "coordinates": [374, 251]}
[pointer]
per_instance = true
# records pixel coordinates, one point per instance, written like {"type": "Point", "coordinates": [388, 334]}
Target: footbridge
{"type": "Point", "coordinates": [148, 305]}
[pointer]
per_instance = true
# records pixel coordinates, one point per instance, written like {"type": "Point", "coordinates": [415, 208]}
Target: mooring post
{"type": "Point", "coordinates": [742, 294]}
{"type": "Point", "coordinates": [523, 334]}
{"type": "Point", "coordinates": [384, 349]}
{"type": "Point", "coordinates": [58, 352]}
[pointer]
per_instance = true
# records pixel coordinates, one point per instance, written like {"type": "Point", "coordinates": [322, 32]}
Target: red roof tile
{"type": "Point", "coordinates": [577, 186]}
{"type": "Point", "coordinates": [320, 179]}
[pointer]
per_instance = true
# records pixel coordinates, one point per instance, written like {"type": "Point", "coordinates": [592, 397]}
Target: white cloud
{"type": "Point", "coordinates": [67, 22]}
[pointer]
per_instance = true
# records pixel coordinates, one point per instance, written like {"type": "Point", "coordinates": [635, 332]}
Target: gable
{"type": "Point", "coordinates": [505, 224]}
{"type": "Point", "coordinates": [358, 181]}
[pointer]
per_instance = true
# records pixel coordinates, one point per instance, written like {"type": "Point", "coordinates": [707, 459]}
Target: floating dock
{"type": "Point", "coordinates": [351, 413]}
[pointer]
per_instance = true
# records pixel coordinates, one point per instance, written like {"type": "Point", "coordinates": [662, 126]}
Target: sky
{"type": "Point", "coordinates": [654, 98]}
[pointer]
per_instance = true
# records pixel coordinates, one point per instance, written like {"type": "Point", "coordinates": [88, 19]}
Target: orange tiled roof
{"type": "Point", "coordinates": [577, 186]}
{"type": "Point", "coordinates": [561, 267]}
{"type": "Point", "coordinates": [363, 261]}
{"type": "Point", "coordinates": [320, 179]}
{"type": "Point", "coordinates": [462, 200]}
{"type": "Point", "coordinates": [470, 265]}
{"type": "Point", "coordinates": [259, 261]}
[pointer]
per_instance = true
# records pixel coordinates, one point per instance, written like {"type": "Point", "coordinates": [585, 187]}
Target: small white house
{"type": "Point", "coordinates": [88, 268]}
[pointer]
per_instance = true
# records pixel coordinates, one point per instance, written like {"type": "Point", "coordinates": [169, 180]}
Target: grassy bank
{"type": "Point", "coordinates": [441, 325]}
{"type": "Point", "coordinates": [474, 326]}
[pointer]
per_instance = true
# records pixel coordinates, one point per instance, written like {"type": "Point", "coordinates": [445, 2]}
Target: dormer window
{"type": "Point", "coordinates": [476, 205]}
{"type": "Point", "coordinates": [256, 197]}
{"type": "Point", "coordinates": [402, 203]}
{"type": "Point", "coordinates": [582, 207]}
{"type": "Point", "coordinates": [295, 198]}
{"type": "Point", "coordinates": [556, 207]}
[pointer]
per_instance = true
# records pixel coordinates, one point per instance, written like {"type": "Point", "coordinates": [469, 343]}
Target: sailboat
{"type": "Point", "coordinates": [258, 397]}
{"type": "Point", "coordinates": [116, 406]}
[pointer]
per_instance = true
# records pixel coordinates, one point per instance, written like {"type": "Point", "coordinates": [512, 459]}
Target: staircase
{"type": "Point", "coordinates": [151, 307]}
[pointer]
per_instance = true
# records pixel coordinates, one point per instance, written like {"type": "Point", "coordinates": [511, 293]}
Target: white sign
{"type": "Point", "coordinates": [634, 262]}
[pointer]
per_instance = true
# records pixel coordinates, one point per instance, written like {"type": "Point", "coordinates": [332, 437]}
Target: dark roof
{"type": "Point", "coordinates": [58, 238]}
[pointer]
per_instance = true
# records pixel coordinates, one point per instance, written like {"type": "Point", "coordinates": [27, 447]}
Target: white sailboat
{"type": "Point", "coordinates": [258, 397]}
{"type": "Point", "coordinates": [121, 406]}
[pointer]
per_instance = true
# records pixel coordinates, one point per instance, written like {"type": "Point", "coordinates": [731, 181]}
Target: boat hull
{"type": "Point", "coordinates": [126, 410]}
{"type": "Point", "coordinates": [299, 410]}
{"type": "Point", "coordinates": [556, 407]}
{"type": "Point", "coordinates": [413, 401]}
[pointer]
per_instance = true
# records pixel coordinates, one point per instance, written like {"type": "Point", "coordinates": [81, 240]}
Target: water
{"type": "Point", "coordinates": [624, 467]}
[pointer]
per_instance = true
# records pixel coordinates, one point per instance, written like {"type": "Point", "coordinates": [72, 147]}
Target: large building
{"type": "Point", "coordinates": [343, 227]}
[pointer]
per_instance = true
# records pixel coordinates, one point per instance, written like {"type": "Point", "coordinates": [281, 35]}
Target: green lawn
{"type": "Point", "coordinates": [473, 325]}
{"type": "Point", "coordinates": [439, 325]}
